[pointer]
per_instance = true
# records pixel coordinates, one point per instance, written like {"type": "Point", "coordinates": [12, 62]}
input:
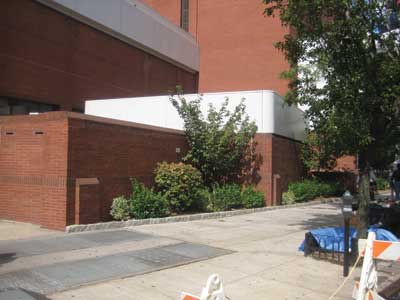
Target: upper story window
{"type": "Point", "coordinates": [185, 14]}
{"type": "Point", "coordinates": [13, 106]}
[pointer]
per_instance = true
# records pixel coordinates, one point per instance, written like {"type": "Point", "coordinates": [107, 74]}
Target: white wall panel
{"type": "Point", "coordinates": [266, 108]}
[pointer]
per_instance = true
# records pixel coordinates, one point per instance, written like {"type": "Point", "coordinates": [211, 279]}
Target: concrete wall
{"type": "Point", "coordinates": [266, 108]}
{"type": "Point", "coordinates": [69, 61]}
{"type": "Point", "coordinates": [236, 42]}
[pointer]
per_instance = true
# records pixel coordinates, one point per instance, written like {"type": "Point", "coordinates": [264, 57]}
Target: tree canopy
{"type": "Point", "coordinates": [344, 58]}
{"type": "Point", "coordinates": [344, 61]}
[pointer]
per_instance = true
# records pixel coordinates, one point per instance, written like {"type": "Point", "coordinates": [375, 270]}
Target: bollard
{"type": "Point", "coordinates": [347, 210]}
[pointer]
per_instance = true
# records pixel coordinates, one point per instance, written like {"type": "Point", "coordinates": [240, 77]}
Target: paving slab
{"type": "Point", "coordinates": [265, 262]}
{"type": "Point", "coordinates": [63, 276]}
{"type": "Point", "coordinates": [18, 294]}
{"type": "Point", "coordinates": [45, 245]}
{"type": "Point", "coordinates": [11, 263]}
{"type": "Point", "coordinates": [256, 255]}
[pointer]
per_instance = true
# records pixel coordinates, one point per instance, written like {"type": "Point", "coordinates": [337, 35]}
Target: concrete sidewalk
{"type": "Point", "coordinates": [265, 263]}
{"type": "Point", "coordinates": [11, 230]}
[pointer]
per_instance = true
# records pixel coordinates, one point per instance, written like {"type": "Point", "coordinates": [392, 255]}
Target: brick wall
{"type": "Point", "coordinates": [64, 168]}
{"type": "Point", "coordinates": [113, 153]}
{"type": "Point", "coordinates": [236, 42]}
{"type": "Point", "coordinates": [33, 169]}
{"type": "Point", "coordinates": [69, 62]}
{"type": "Point", "coordinates": [286, 164]}
{"type": "Point", "coordinates": [280, 165]}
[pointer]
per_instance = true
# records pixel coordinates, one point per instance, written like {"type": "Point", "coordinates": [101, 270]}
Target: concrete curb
{"type": "Point", "coordinates": [187, 218]}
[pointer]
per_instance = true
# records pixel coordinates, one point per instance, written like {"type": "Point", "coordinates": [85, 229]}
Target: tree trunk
{"type": "Point", "coordinates": [363, 204]}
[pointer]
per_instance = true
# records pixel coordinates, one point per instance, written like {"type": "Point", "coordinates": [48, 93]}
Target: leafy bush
{"type": "Point", "coordinates": [120, 209]}
{"type": "Point", "coordinates": [220, 143]}
{"type": "Point", "coordinates": [309, 189]}
{"type": "Point", "coordinates": [225, 197]}
{"type": "Point", "coordinates": [329, 189]}
{"type": "Point", "coordinates": [202, 201]}
{"type": "Point", "coordinates": [288, 198]}
{"type": "Point", "coordinates": [179, 183]}
{"type": "Point", "coordinates": [145, 203]}
{"type": "Point", "coordinates": [382, 183]}
{"type": "Point", "coordinates": [252, 198]}
{"type": "Point", "coordinates": [304, 190]}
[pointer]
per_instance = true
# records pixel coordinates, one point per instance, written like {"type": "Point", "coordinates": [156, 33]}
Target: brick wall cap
{"type": "Point", "coordinates": [60, 115]}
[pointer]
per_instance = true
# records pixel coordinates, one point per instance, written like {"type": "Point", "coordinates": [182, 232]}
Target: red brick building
{"type": "Point", "coordinates": [52, 58]}
{"type": "Point", "coordinates": [236, 42]}
{"type": "Point", "coordinates": [63, 168]}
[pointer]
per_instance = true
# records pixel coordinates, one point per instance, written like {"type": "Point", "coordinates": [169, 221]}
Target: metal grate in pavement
{"type": "Point", "coordinates": [66, 275]}
{"type": "Point", "coordinates": [67, 243]}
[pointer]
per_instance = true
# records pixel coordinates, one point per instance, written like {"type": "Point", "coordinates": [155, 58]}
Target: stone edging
{"type": "Point", "coordinates": [186, 218]}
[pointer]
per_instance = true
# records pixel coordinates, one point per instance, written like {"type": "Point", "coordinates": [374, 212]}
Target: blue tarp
{"type": "Point", "coordinates": [332, 238]}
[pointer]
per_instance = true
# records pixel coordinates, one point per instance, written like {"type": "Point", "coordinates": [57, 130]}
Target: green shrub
{"type": "Point", "coordinates": [382, 183]}
{"type": "Point", "coordinates": [202, 201]}
{"type": "Point", "coordinates": [288, 198]}
{"type": "Point", "coordinates": [120, 209]}
{"type": "Point", "coordinates": [225, 197]}
{"type": "Point", "coordinates": [309, 189]}
{"type": "Point", "coordinates": [220, 140]}
{"type": "Point", "coordinates": [336, 189]}
{"type": "Point", "coordinates": [305, 190]}
{"type": "Point", "coordinates": [179, 183]}
{"type": "Point", "coordinates": [145, 203]}
{"type": "Point", "coordinates": [252, 198]}
{"type": "Point", "coordinates": [326, 189]}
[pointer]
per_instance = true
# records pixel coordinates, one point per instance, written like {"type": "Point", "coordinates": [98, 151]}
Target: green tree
{"type": "Point", "coordinates": [221, 144]}
{"type": "Point", "coordinates": [344, 62]}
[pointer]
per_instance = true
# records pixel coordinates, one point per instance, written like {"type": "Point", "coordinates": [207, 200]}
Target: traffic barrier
{"type": "Point", "coordinates": [213, 290]}
{"type": "Point", "coordinates": [371, 249]}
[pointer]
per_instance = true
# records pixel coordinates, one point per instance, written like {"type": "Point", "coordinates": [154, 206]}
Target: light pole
{"type": "Point", "coordinates": [347, 213]}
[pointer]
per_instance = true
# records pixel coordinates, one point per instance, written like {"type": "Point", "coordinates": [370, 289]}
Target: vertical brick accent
{"type": "Point", "coordinates": [87, 201]}
{"type": "Point", "coordinates": [280, 165]}
{"type": "Point", "coordinates": [264, 148]}
{"type": "Point", "coordinates": [285, 162]}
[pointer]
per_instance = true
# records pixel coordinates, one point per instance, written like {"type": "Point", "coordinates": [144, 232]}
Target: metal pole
{"type": "Point", "coordinates": [346, 259]}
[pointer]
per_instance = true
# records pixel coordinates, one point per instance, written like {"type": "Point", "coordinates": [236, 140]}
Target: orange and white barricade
{"type": "Point", "coordinates": [371, 249]}
{"type": "Point", "coordinates": [213, 290]}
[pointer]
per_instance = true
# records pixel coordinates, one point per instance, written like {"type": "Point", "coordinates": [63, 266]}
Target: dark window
{"type": "Point", "coordinates": [78, 110]}
{"type": "Point", "coordinates": [13, 106]}
{"type": "Point", "coordinates": [185, 14]}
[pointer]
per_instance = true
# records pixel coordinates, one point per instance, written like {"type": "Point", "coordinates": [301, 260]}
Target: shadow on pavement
{"type": "Point", "coordinates": [36, 296]}
{"type": "Point", "coordinates": [7, 257]}
{"type": "Point", "coordinates": [317, 220]}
